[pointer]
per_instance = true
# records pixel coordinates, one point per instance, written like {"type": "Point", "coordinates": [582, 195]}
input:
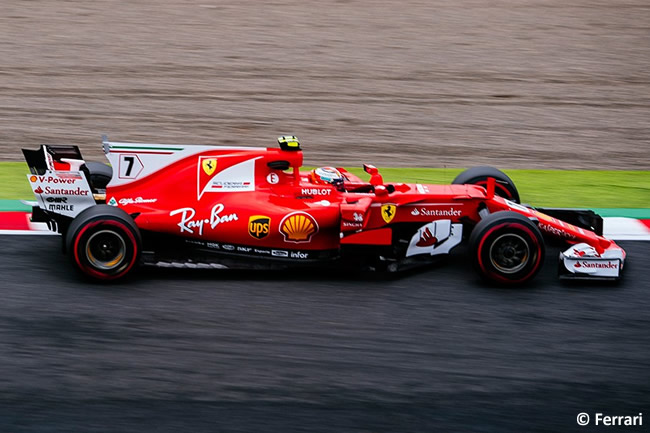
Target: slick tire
{"type": "Point", "coordinates": [104, 243]}
{"type": "Point", "coordinates": [507, 248]}
{"type": "Point", "coordinates": [504, 186]}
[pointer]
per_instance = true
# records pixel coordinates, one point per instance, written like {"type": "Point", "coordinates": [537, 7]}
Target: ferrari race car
{"type": "Point", "coordinates": [223, 207]}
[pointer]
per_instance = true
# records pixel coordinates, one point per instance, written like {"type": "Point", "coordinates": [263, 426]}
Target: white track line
{"type": "Point", "coordinates": [625, 229]}
{"type": "Point", "coordinates": [27, 232]}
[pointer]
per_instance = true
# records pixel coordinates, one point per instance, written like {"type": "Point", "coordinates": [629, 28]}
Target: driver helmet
{"type": "Point", "coordinates": [326, 175]}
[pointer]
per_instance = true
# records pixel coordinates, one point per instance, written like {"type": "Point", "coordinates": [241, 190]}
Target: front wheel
{"type": "Point", "coordinates": [104, 243]}
{"type": "Point", "coordinates": [506, 247]}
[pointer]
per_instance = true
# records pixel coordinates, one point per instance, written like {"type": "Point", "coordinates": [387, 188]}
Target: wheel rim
{"type": "Point", "coordinates": [509, 253]}
{"type": "Point", "coordinates": [106, 250]}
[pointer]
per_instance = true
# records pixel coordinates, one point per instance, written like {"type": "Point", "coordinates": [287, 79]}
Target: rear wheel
{"type": "Point", "coordinates": [98, 174]}
{"type": "Point", "coordinates": [104, 243]}
{"type": "Point", "coordinates": [506, 247]}
{"type": "Point", "coordinates": [504, 186]}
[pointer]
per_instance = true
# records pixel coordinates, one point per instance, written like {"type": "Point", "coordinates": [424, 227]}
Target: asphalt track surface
{"type": "Point", "coordinates": [433, 350]}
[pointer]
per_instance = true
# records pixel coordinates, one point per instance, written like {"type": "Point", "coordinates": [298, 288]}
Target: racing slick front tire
{"type": "Point", "coordinates": [504, 186]}
{"type": "Point", "coordinates": [104, 243]}
{"type": "Point", "coordinates": [507, 248]}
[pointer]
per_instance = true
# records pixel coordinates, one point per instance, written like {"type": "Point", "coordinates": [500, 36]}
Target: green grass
{"type": "Point", "coordinates": [585, 189]}
{"type": "Point", "coordinates": [13, 181]}
{"type": "Point", "coordinates": [551, 188]}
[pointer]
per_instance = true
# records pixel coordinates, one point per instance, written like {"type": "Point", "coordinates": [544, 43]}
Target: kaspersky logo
{"type": "Point", "coordinates": [298, 227]}
{"type": "Point", "coordinates": [258, 226]}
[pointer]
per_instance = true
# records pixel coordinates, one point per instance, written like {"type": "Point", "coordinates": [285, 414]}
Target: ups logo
{"type": "Point", "coordinates": [258, 226]}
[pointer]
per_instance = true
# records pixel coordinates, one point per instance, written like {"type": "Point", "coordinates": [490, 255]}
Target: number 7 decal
{"type": "Point", "coordinates": [130, 166]}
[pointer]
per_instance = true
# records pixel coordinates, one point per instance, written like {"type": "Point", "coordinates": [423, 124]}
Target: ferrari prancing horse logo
{"type": "Point", "coordinates": [388, 212]}
{"type": "Point", "coordinates": [209, 165]}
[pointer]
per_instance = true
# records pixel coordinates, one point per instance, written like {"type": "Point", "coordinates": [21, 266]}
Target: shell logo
{"type": "Point", "coordinates": [298, 227]}
{"type": "Point", "coordinates": [33, 178]}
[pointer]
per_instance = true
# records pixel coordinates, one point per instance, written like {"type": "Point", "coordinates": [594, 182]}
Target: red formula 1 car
{"type": "Point", "coordinates": [208, 206]}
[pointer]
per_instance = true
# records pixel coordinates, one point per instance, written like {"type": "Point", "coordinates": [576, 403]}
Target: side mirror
{"type": "Point", "coordinates": [370, 169]}
{"type": "Point", "coordinates": [381, 190]}
{"type": "Point", "coordinates": [375, 177]}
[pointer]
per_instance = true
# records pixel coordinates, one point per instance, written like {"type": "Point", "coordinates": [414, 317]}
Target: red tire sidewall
{"type": "Point", "coordinates": [482, 252]}
{"type": "Point", "coordinates": [79, 256]}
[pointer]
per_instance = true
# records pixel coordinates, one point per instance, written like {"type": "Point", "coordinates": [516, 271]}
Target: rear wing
{"type": "Point", "coordinates": [53, 157]}
{"type": "Point", "coordinates": [59, 180]}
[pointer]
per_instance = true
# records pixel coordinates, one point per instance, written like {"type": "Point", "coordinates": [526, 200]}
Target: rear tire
{"type": "Point", "coordinates": [504, 186]}
{"type": "Point", "coordinates": [507, 248]}
{"type": "Point", "coordinates": [98, 174]}
{"type": "Point", "coordinates": [104, 243]}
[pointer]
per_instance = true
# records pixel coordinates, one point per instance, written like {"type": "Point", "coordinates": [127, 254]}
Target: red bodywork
{"type": "Point", "coordinates": [285, 210]}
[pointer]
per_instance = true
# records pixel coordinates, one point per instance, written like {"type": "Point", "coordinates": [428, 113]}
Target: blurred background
{"type": "Point", "coordinates": [518, 84]}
